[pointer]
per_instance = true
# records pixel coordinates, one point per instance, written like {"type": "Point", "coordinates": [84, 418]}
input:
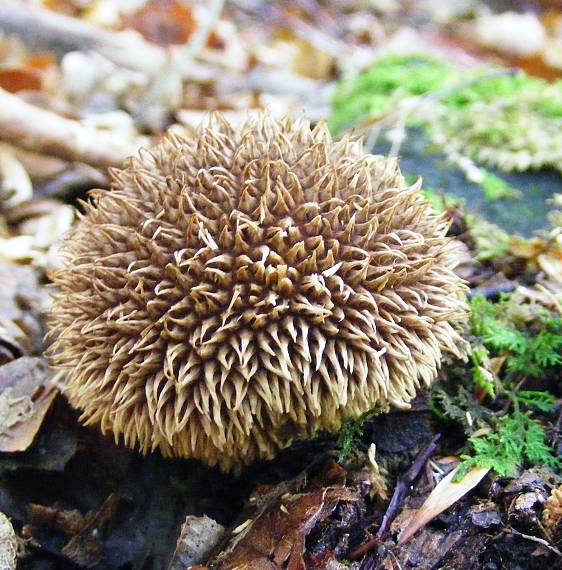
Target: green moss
{"type": "Point", "coordinates": [351, 432]}
{"type": "Point", "coordinates": [491, 241]}
{"type": "Point", "coordinates": [505, 120]}
{"type": "Point", "coordinates": [491, 88]}
{"type": "Point", "coordinates": [518, 439]}
{"type": "Point", "coordinates": [529, 354]}
{"type": "Point", "coordinates": [530, 341]}
{"type": "Point", "coordinates": [496, 188]}
{"type": "Point", "coordinates": [535, 400]}
{"type": "Point", "coordinates": [461, 406]}
{"type": "Point", "coordinates": [550, 105]}
{"type": "Point", "coordinates": [374, 93]}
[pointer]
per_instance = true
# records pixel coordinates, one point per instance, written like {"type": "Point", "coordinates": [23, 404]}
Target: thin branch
{"type": "Point", "coordinates": [400, 493]}
{"type": "Point", "coordinates": [32, 128]}
{"type": "Point", "coordinates": [44, 29]}
{"type": "Point", "coordinates": [542, 541]}
{"type": "Point", "coordinates": [403, 487]}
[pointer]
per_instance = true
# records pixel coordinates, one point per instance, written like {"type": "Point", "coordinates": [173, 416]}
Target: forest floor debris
{"type": "Point", "coordinates": [81, 89]}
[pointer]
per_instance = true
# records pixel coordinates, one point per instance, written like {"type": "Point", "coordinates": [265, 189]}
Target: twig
{"type": "Point", "coordinates": [177, 62]}
{"type": "Point", "coordinates": [400, 493]}
{"type": "Point", "coordinates": [36, 129]}
{"type": "Point", "coordinates": [535, 539]}
{"type": "Point", "coordinates": [324, 42]}
{"type": "Point", "coordinates": [403, 487]}
{"type": "Point", "coordinates": [44, 29]}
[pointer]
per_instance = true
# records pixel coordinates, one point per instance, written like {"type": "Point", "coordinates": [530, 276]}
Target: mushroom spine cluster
{"type": "Point", "coordinates": [243, 288]}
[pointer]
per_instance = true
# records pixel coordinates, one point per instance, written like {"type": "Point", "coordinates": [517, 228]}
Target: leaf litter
{"type": "Point", "coordinates": [74, 85]}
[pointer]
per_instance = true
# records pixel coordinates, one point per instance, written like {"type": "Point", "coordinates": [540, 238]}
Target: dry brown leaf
{"type": "Point", "coordinates": [85, 547]}
{"type": "Point", "coordinates": [40, 166]}
{"type": "Point", "coordinates": [85, 531]}
{"type": "Point", "coordinates": [510, 33]}
{"type": "Point", "coordinates": [88, 140]}
{"type": "Point", "coordinates": [445, 494]}
{"type": "Point", "coordinates": [20, 79]}
{"type": "Point", "coordinates": [45, 220]}
{"type": "Point", "coordinates": [551, 266]}
{"type": "Point", "coordinates": [25, 397]}
{"type": "Point", "coordinates": [496, 364]}
{"type": "Point", "coordinates": [540, 254]}
{"type": "Point", "coordinates": [551, 261]}
{"type": "Point", "coordinates": [29, 73]}
{"type": "Point", "coordinates": [275, 538]}
{"type": "Point", "coordinates": [61, 6]}
{"type": "Point", "coordinates": [547, 293]}
{"type": "Point", "coordinates": [163, 22]}
{"type": "Point", "coordinates": [69, 522]}
{"type": "Point", "coordinates": [299, 55]}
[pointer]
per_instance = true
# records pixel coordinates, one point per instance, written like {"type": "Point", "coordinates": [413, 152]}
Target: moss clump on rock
{"type": "Point", "coordinates": [500, 118]}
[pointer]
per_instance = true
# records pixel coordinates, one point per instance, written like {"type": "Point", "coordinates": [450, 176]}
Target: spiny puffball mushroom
{"type": "Point", "coordinates": [243, 288]}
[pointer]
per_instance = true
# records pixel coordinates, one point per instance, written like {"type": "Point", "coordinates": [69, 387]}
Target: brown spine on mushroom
{"type": "Point", "coordinates": [244, 288]}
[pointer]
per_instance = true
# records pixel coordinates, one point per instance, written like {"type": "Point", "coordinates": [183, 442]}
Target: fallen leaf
{"type": "Point", "coordinates": [61, 6]}
{"type": "Point", "coordinates": [10, 349]}
{"type": "Point", "coordinates": [41, 61]}
{"type": "Point", "coordinates": [20, 79]}
{"type": "Point", "coordinates": [198, 537]}
{"type": "Point", "coordinates": [164, 22]}
{"type": "Point", "coordinates": [445, 494]}
{"type": "Point", "coordinates": [68, 522]}
{"type": "Point", "coordinates": [33, 72]}
{"type": "Point", "coordinates": [52, 449]}
{"type": "Point", "coordinates": [25, 398]}
{"type": "Point", "coordinates": [527, 248]}
{"type": "Point", "coordinates": [21, 303]}
{"type": "Point", "coordinates": [274, 536]}
{"type": "Point", "coordinates": [46, 221]}
{"type": "Point", "coordinates": [18, 248]}
{"type": "Point", "coordinates": [85, 547]}
{"type": "Point", "coordinates": [511, 33]}
{"type": "Point", "coordinates": [551, 264]}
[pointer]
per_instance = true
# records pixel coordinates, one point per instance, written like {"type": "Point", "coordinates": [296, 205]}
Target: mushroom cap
{"type": "Point", "coordinates": [240, 289]}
